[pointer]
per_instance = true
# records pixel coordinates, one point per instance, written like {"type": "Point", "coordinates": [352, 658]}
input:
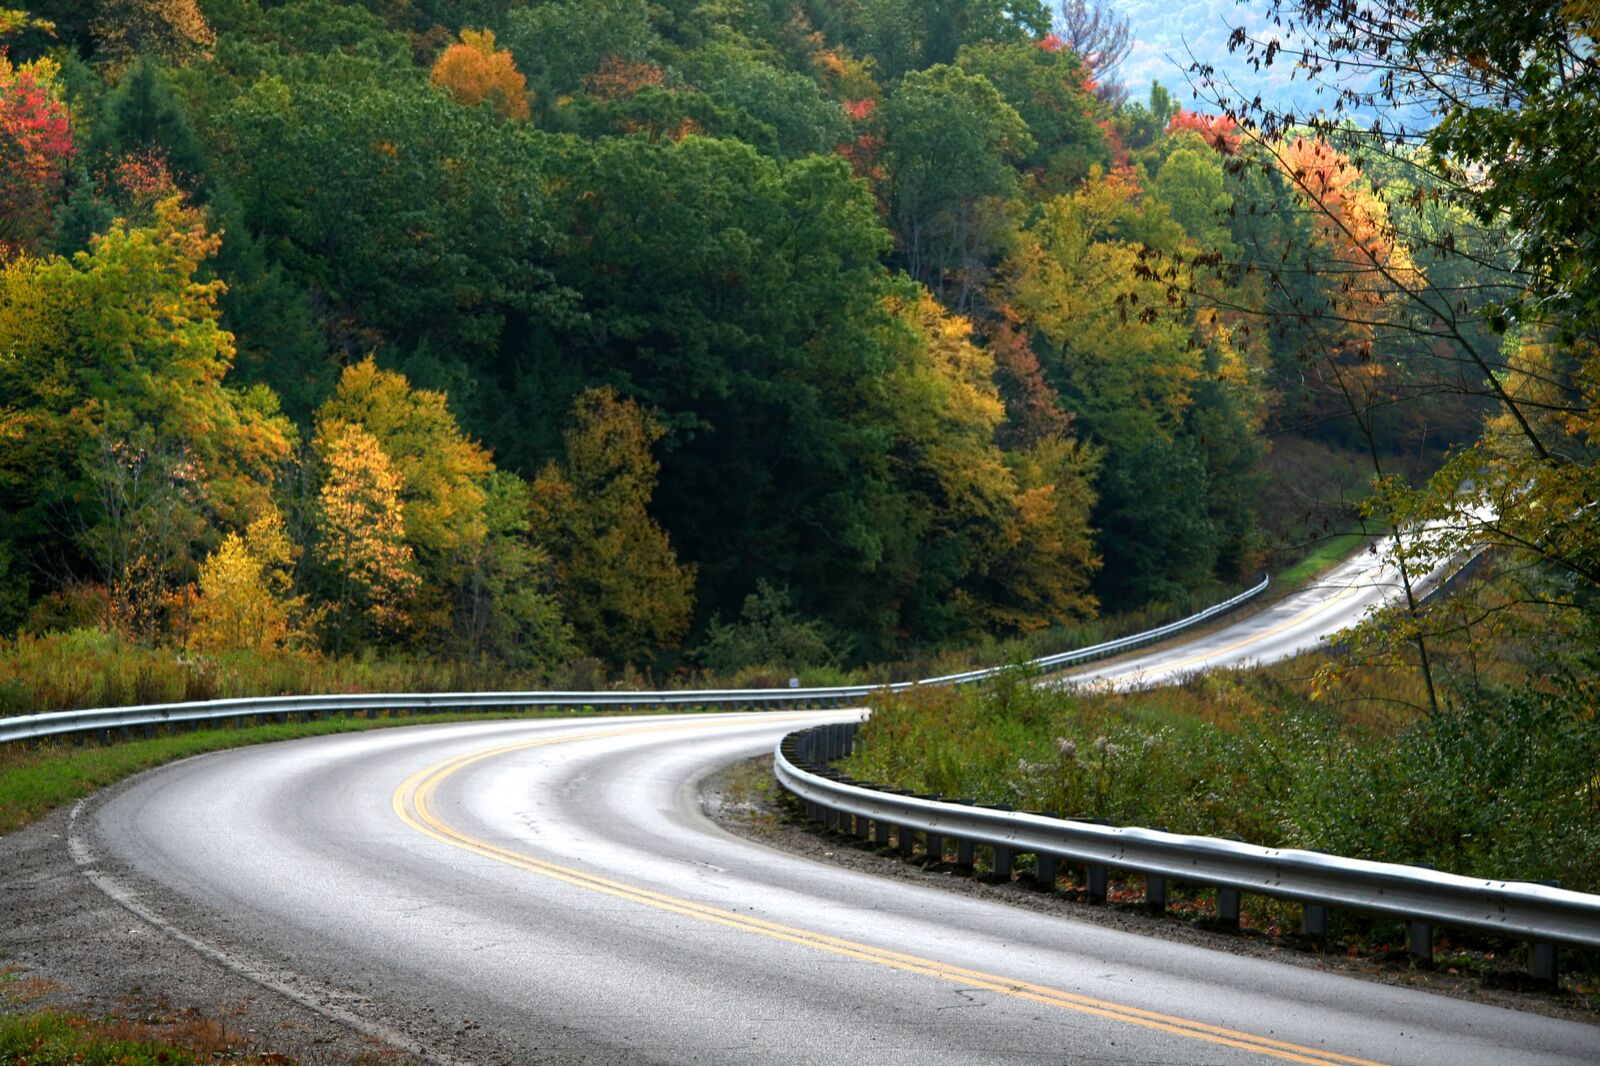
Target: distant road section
{"type": "Point", "coordinates": [1296, 624]}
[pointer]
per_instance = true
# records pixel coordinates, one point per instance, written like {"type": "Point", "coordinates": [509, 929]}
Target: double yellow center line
{"type": "Point", "coordinates": [413, 803]}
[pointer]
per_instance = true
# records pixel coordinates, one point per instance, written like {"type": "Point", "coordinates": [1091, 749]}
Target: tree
{"type": "Point", "coordinates": [1493, 82]}
{"type": "Point", "coordinates": [622, 587]}
{"type": "Point", "coordinates": [413, 222]}
{"type": "Point", "coordinates": [473, 71]}
{"type": "Point", "coordinates": [981, 525]}
{"type": "Point", "coordinates": [739, 299]}
{"type": "Point", "coordinates": [174, 30]}
{"type": "Point", "coordinates": [560, 42]}
{"type": "Point", "coordinates": [1050, 88]}
{"type": "Point", "coordinates": [951, 138]}
{"type": "Point", "coordinates": [361, 533]}
{"type": "Point", "coordinates": [1044, 579]}
{"type": "Point", "coordinates": [36, 146]}
{"type": "Point", "coordinates": [244, 600]}
{"type": "Point", "coordinates": [907, 35]}
{"type": "Point", "coordinates": [441, 470]}
{"type": "Point", "coordinates": [113, 358]}
{"type": "Point", "coordinates": [1097, 33]}
{"type": "Point", "coordinates": [508, 606]}
{"type": "Point", "coordinates": [143, 117]}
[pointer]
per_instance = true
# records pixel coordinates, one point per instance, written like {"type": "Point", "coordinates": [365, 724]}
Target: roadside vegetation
{"type": "Point", "coordinates": [1500, 784]}
{"type": "Point", "coordinates": [765, 647]}
{"type": "Point", "coordinates": [541, 340]}
{"type": "Point", "coordinates": [1338, 751]}
{"type": "Point", "coordinates": [33, 1034]}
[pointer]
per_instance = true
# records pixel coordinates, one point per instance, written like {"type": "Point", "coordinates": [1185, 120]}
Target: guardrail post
{"type": "Point", "coordinates": [1314, 921]}
{"type": "Point", "coordinates": [1419, 940]}
{"type": "Point", "coordinates": [966, 850]}
{"type": "Point", "coordinates": [933, 840]}
{"type": "Point", "coordinates": [1543, 956]}
{"type": "Point", "coordinates": [1044, 863]}
{"type": "Point", "coordinates": [1155, 894]}
{"type": "Point", "coordinates": [1228, 906]}
{"type": "Point", "coordinates": [1096, 879]}
{"type": "Point", "coordinates": [1001, 853]}
{"type": "Point", "coordinates": [1419, 935]}
{"type": "Point", "coordinates": [1542, 963]}
{"type": "Point", "coordinates": [880, 833]}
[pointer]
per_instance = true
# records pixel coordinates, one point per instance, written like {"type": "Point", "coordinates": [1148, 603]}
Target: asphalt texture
{"type": "Point", "coordinates": [569, 901]}
{"type": "Point", "coordinates": [551, 891]}
{"type": "Point", "coordinates": [1298, 623]}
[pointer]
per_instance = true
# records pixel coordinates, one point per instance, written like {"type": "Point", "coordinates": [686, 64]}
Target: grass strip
{"type": "Point", "coordinates": [66, 1037]}
{"type": "Point", "coordinates": [1327, 555]}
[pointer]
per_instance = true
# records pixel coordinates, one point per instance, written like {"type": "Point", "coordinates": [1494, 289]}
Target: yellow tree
{"type": "Point", "coordinates": [361, 531]}
{"type": "Point", "coordinates": [175, 30]}
{"type": "Point", "coordinates": [1005, 539]}
{"type": "Point", "coordinates": [473, 71]}
{"type": "Point", "coordinates": [622, 587]}
{"type": "Point", "coordinates": [442, 475]}
{"type": "Point", "coordinates": [244, 600]}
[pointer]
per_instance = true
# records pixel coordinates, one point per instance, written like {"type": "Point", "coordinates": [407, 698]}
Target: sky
{"type": "Point", "coordinates": [1165, 32]}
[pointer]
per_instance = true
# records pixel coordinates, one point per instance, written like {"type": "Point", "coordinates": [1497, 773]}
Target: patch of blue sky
{"type": "Point", "coordinates": [1171, 35]}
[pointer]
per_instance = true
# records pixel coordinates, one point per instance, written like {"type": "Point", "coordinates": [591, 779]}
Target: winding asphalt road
{"type": "Point", "coordinates": [552, 890]}
{"type": "Point", "coordinates": [1296, 624]}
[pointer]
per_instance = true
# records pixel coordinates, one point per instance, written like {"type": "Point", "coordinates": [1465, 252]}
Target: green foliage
{"type": "Point", "coordinates": [558, 43]}
{"type": "Point", "coordinates": [56, 1037]}
{"type": "Point", "coordinates": [143, 116]}
{"type": "Point", "coordinates": [1500, 786]}
{"type": "Point", "coordinates": [1050, 91]}
{"type": "Point", "coordinates": [951, 140]}
{"type": "Point", "coordinates": [117, 419]}
{"type": "Point", "coordinates": [768, 633]}
{"type": "Point", "coordinates": [507, 608]}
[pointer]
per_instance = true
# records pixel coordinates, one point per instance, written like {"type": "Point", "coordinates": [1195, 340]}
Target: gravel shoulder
{"type": "Point", "coordinates": [744, 800]}
{"type": "Point", "coordinates": [66, 943]}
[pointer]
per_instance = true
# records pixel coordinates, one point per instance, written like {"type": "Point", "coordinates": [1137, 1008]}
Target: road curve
{"type": "Point", "coordinates": [554, 887]}
{"type": "Point", "coordinates": [1296, 624]}
{"type": "Point", "coordinates": [556, 883]}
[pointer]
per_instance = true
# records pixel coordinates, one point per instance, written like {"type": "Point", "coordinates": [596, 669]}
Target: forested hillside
{"type": "Point", "coordinates": [529, 331]}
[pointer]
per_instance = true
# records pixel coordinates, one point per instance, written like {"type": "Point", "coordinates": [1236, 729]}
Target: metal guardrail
{"type": "Point", "coordinates": [1542, 915]}
{"type": "Point", "coordinates": [148, 717]}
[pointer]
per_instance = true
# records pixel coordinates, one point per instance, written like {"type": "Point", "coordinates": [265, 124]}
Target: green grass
{"type": "Point", "coordinates": [64, 1037]}
{"type": "Point", "coordinates": [34, 782]}
{"type": "Point", "coordinates": [1327, 555]}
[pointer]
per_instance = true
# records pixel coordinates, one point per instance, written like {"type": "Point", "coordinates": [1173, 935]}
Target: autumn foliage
{"type": "Point", "coordinates": [361, 529]}
{"type": "Point", "coordinates": [36, 146]}
{"type": "Point", "coordinates": [473, 71]}
{"type": "Point", "coordinates": [622, 585]}
{"type": "Point", "coordinates": [1220, 131]}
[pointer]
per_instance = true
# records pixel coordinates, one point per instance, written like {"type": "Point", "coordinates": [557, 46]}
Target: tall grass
{"type": "Point", "coordinates": [88, 668]}
{"type": "Point", "coordinates": [91, 668]}
{"type": "Point", "coordinates": [1501, 784]}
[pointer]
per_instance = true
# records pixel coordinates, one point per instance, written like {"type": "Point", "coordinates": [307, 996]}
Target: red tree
{"type": "Point", "coordinates": [35, 147]}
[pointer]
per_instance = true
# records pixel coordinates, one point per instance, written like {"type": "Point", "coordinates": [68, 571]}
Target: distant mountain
{"type": "Point", "coordinates": [1171, 35]}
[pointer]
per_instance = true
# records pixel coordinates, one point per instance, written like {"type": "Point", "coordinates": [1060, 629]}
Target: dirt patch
{"type": "Point", "coordinates": [745, 800]}
{"type": "Point", "coordinates": [65, 944]}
